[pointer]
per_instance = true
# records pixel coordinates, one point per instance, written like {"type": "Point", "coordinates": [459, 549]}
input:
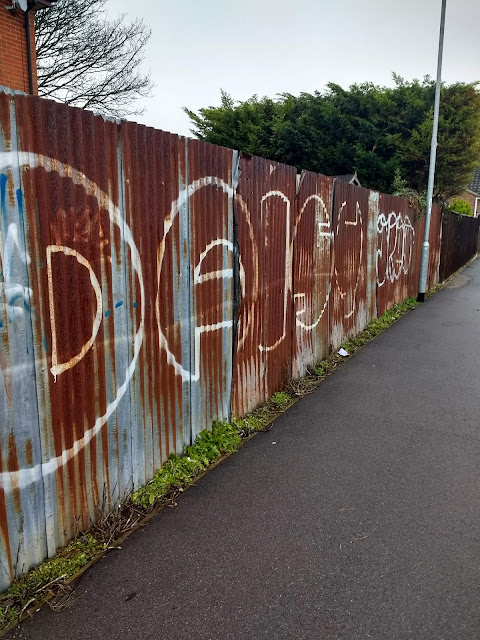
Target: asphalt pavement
{"type": "Point", "coordinates": [357, 516]}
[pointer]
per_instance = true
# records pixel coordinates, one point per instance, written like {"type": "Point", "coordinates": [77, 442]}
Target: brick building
{"type": "Point", "coordinates": [472, 193]}
{"type": "Point", "coordinates": [14, 51]}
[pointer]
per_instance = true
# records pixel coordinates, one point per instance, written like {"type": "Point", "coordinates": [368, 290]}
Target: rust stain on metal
{"type": "Point", "coordinates": [29, 452]}
{"type": "Point", "coordinates": [434, 240]}
{"type": "Point", "coordinates": [397, 259]}
{"type": "Point", "coordinates": [265, 221]}
{"type": "Point", "coordinates": [211, 258]}
{"type": "Point", "coordinates": [348, 307]}
{"type": "Point", "coordinates": [277, 208]}
{"type": "Point", "coordinates": [313, 262]}
{"type": "Point", "coordinates": [248, 385]}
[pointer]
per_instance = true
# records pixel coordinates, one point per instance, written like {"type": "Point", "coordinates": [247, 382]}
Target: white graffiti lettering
{"type": "Point", "coordinates": [350, 296]}
{"type": "Point", "coordinates": [58, 368]}
{"type": "Point", "coordinates": [396, 236]}
{"type": "Point", "coordinates": [176, 206]}
{"type": "Point", "coordinates": [287, 287]}
{"type": "Point", "coordinates": [27, 475]}
{"type": "Point", "coordinates": [325, 243]}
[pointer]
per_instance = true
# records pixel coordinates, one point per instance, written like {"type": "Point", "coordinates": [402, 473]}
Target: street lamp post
{"type": "Point", "coordinates": [422, 283]}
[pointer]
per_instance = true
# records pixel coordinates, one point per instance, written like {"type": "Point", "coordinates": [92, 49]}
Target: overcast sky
{"type": "Point", "coordinates": [274, 46]}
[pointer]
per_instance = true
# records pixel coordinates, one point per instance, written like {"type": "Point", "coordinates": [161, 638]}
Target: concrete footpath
{"type": "Point", "coordinates": [357, 516]}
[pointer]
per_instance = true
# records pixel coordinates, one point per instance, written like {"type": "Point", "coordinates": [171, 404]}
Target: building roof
{"type": "Point", "coordinates": [475, 184]}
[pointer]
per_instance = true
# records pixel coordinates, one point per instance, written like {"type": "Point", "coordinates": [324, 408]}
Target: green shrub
{"type": "Point", "coordinates": [457, 205]}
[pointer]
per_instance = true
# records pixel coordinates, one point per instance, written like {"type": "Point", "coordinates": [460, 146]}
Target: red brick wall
{"type": "Point", "coordinates": [13, 49]}
{"type": "Point", "coordinates": [469, 197]}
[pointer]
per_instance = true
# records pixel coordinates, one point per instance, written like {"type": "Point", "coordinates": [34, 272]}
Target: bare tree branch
{"type": "Point", "coordinates": [86, 60]}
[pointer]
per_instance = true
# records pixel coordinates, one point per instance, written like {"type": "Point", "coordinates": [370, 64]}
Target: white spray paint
{"type": "Point", "coordinates": [57, 368]}
{"type": "Point", "coordinates": [26, 476]}
{"type": "Point", "coordinates": [350, 223]}
{"type": "Point", "coordinates": [16, 296]}
{"type": "Point", "coordinates": [323, 231]}
{"type": "Point", "coordinates": [287, 287]}
{"type": "Point", "coordinates": [396, 237]}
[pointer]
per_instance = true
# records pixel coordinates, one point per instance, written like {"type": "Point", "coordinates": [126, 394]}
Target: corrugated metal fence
{"type": "Point", "coordinates": [152, 284]}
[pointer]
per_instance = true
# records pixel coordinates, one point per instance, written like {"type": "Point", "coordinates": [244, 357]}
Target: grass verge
{"type": "Point", "coordinates": [51, 580]}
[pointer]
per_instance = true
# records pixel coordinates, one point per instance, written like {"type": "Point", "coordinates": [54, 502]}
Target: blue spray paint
{"type": "Point", "coordinates": [3, 207]}
{"type": "Point", "coordinates": [23, 248]}
{"type": "Point", "coordinates": [3, 193]}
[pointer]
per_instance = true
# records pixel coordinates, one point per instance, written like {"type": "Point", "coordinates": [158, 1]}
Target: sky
{"type": "Point", "coordinates": [266, 47]}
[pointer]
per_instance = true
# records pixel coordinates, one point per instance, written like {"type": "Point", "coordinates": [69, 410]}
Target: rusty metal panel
{"type": "Point", "coordinates": [277, 209]}
{"type": "Point", "coordinates": [156, 210]}
{"type": "Point", "coordinates": [23, 539]}
{"type": "Point", "coordinates": [248, 384]}
{"type": "Point", "coordinates": [349, 310]}
{"type": "Point", "coordinates": [210, 207]}
{"type": "Point", "coordinates": [400, 236]}
{"type": "Point", "coordinates": [396, 264]}
{"type": "Point", "coordinates": [264, 226]}
{"type": "Point", "coordinates": [312, 270]}
{"type": "Point", "coordinates": [76, 236]}
{"type": "Point", "coordinates": [151, 284]}
{"type": "Point", "coordinates": [434, 250]}
{"type": "Point", "coordinates": [434, 239]}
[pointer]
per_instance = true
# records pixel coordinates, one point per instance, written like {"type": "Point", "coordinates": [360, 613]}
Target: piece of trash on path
{"type": "Point", "coordinates": [342, 352]}
{"type": "Point", "coordinates": [274, 443]}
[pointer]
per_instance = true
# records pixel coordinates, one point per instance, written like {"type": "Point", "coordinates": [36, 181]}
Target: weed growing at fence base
{"type": "Point", "coordinates": [281, 400]}
{"type": "Point", "coordinates": [380, 324]}
{"type": "Point", "coordinates": [178, 471]}
{"type": "Point", "coordinates": [50, 579]}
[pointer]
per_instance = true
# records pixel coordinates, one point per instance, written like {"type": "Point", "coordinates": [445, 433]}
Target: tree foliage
{"type": "Point", "coordinates": [418, 201]}
{"type": "Point", "coordinates": [86, 60]}
{"type": "Point", "coordinates": [377, 131]}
